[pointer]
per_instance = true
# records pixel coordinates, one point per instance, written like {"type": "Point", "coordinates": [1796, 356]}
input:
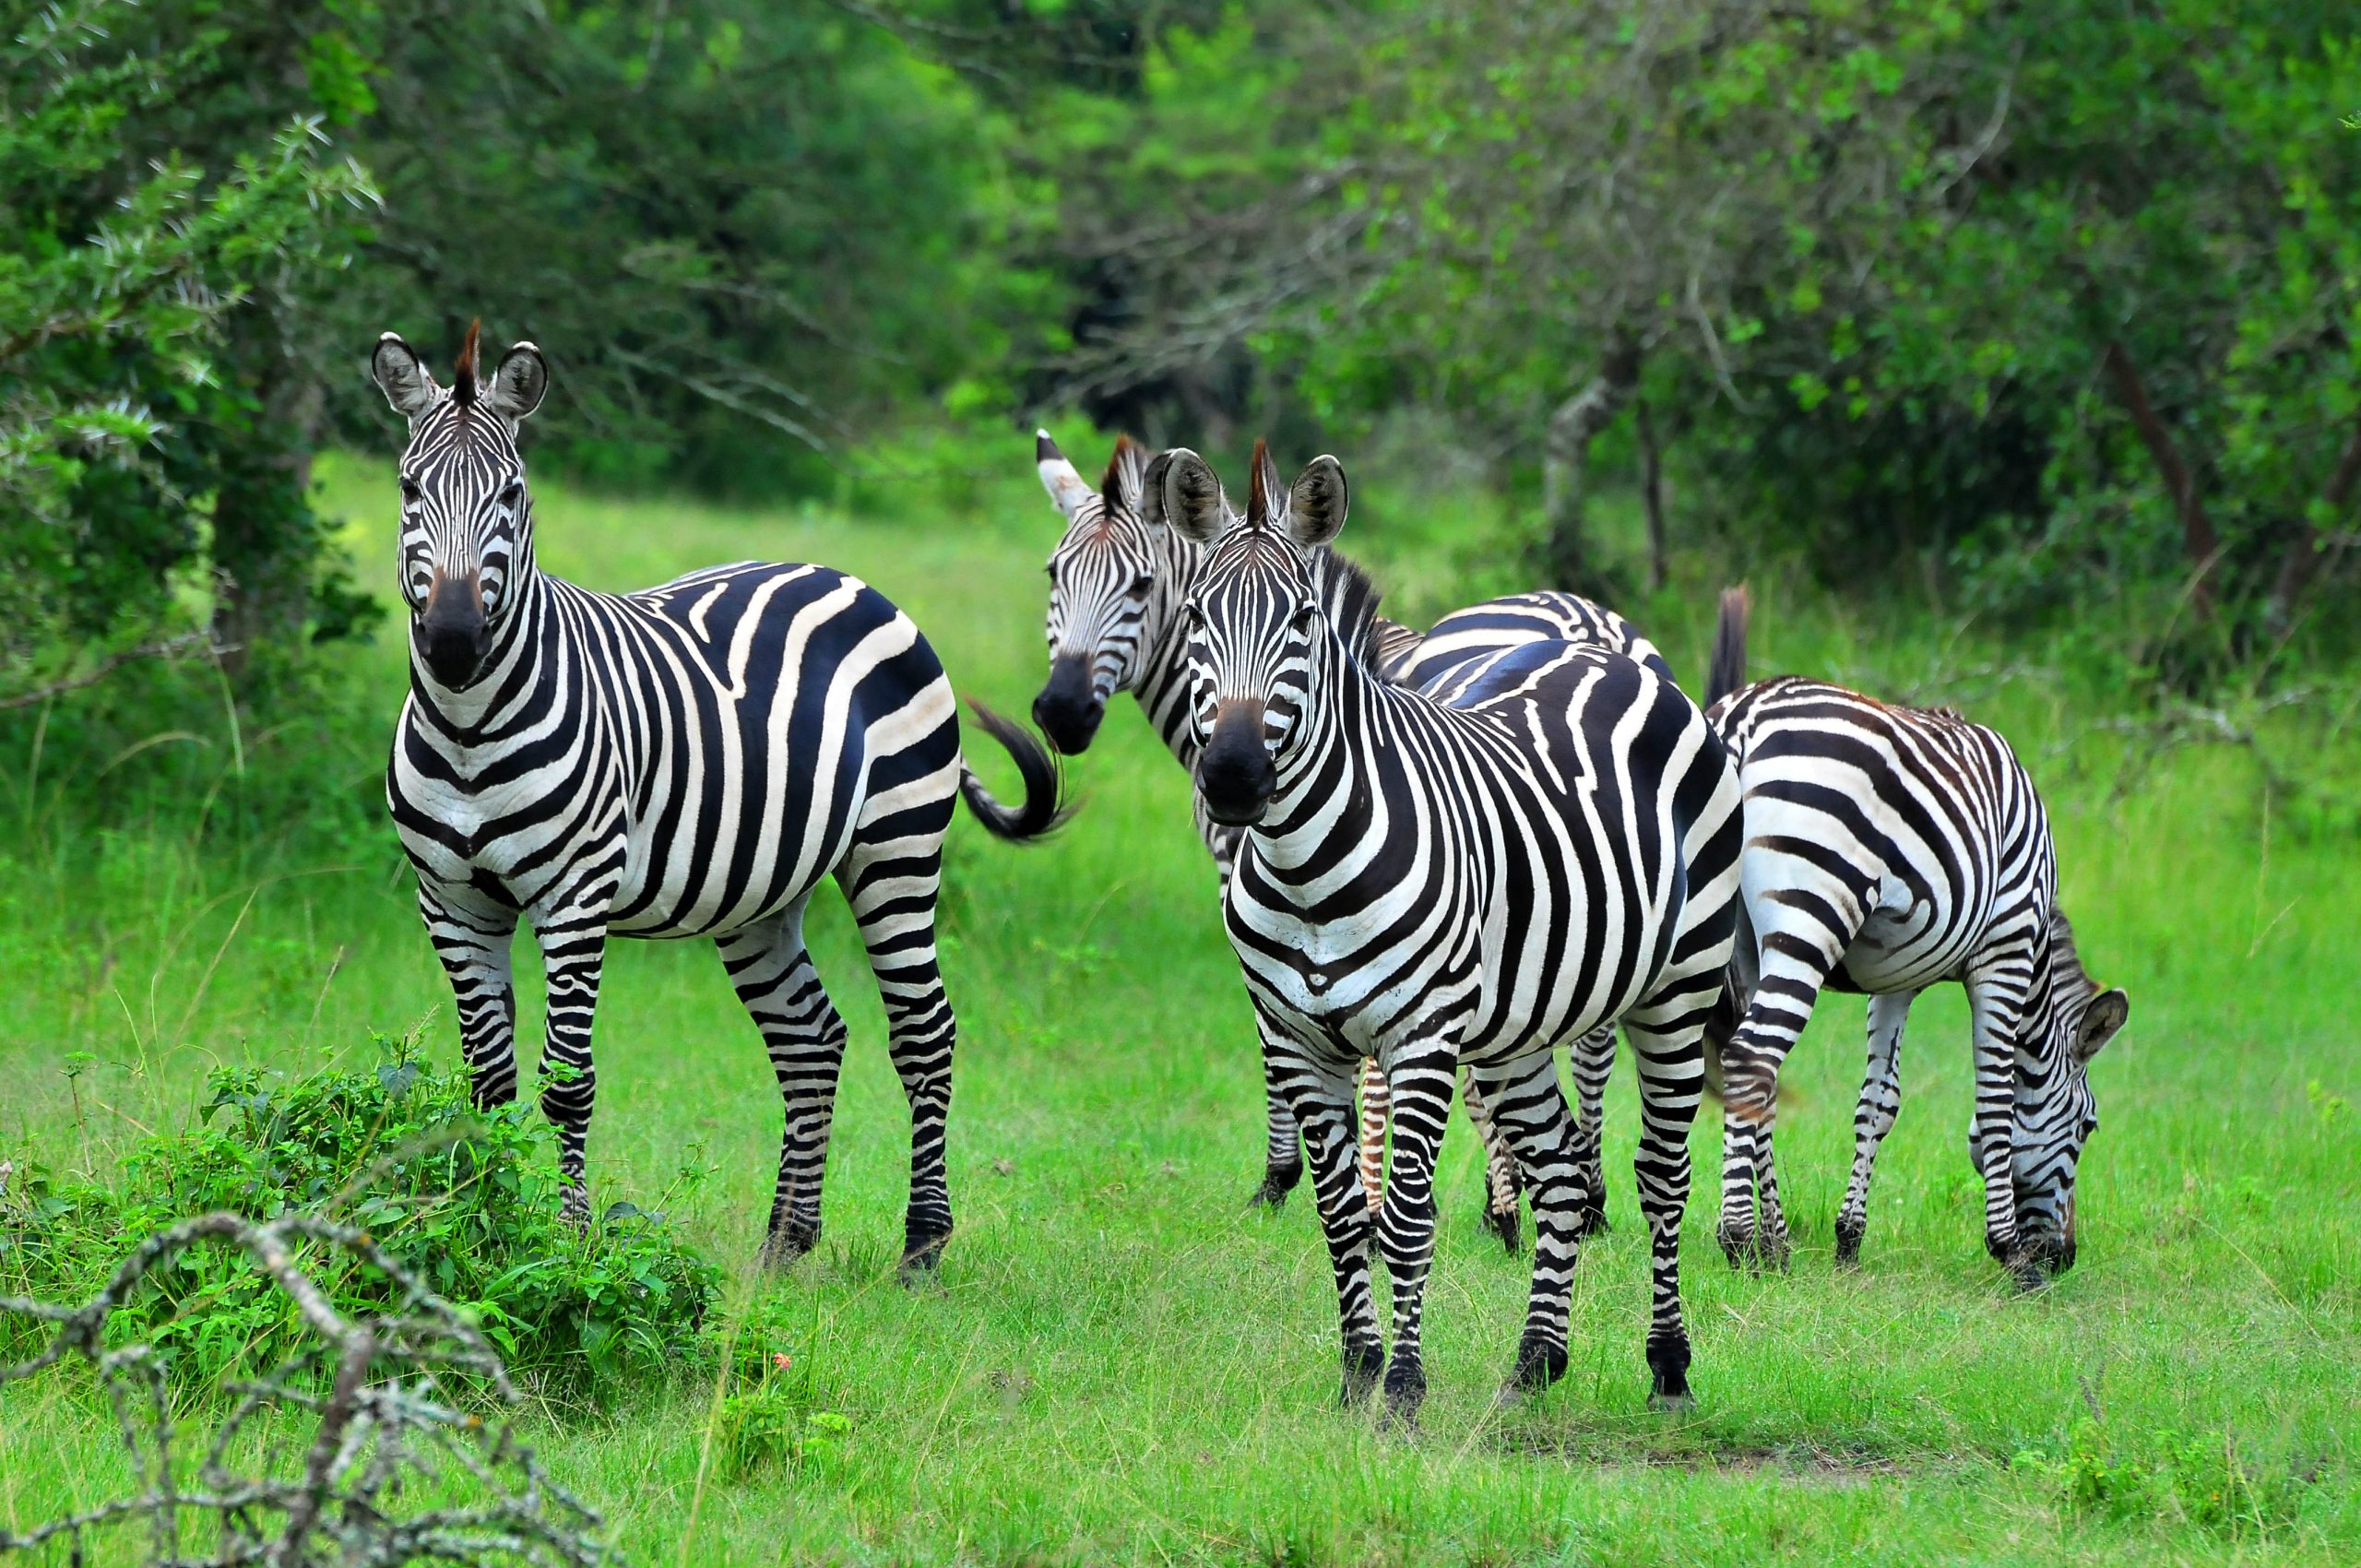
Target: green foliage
{"type": "Point", "coordinates": [466, 1198]}
{"type": "Point", "coordinates": [2201, 1479]}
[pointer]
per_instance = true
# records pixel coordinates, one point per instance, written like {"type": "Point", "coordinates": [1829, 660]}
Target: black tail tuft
{"type": "Point", "coordinates": [1725, 671]}
{"type": "Point", "coordinates": [1042, 811]}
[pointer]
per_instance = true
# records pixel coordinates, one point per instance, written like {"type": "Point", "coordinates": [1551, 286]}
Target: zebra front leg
{"type": "Point", "coordinates": [1530, 1111]}
{"type": "Point", "coordinates": [1419, 1079]}
{"type": "Point", "coordinates": [1319, 1093]}
{"type": "Point", "coordinates": [1873, 1117]}
{"type": "Point", "coordinates": [574, 947]}
{"type": "Point", "coordinates": [1592, 1060]}
{"type": "Point", "coordinates": [1996, 994]}
{"type": "Point", "coordinates": [1667, 1047]}
{"type": "Point", "coordinates": [891, 884]}
{"type": "Point", "coordinates": [1501, 1187]}
{"type": "Point", "coordinates": [473, 943]}
{"type": "Point", "coordinates": [1282, 1146]}
{"type": "Point", "coordinates": [804, 1037]}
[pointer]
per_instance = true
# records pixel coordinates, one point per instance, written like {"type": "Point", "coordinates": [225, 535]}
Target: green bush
{"type": "Point", "coordinates": [2203, 1479]}
{"type": "Point", "coordinates": [468, 1199]}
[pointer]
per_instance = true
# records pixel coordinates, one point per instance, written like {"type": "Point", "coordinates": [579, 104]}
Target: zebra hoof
{"type": "Point", "coordinates": [2026, 1271]}
{"type": "Point", "coordinates": [1539, 1364]}
{"type": "Point", "coordinates": [1848, 1245]}
{"type": "Point", "coordinates": [1668, 1374]}
{"type": "Point", "coordinates": [1505, 1224]}
{"type": "Point", "coordinates": [1405, 1390]}
{"type": "Point", "coordinates": [1660, 1401]}
{"type": "Point", "coordinates": [922, 1252]}
{"type": "Point", "coordinates": [1363, 1370]}
{"type": "Point", "coordinates": [786, 1243]}
{"type": "Point", "coordinates": [1278, 1181]}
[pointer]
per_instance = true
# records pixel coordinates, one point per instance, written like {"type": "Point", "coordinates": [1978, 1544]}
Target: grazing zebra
{"type": "Point", "coordinates": [1115, 585]}
{"type": "Point", "coordinates": [1888, 848]}
{"type": "Point", "coordinates": [689, 760]}
{"type": "Point", "coordinates": [1543, 841]}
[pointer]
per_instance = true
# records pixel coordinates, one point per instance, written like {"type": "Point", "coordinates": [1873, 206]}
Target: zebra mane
{"type": "Point", "coordinates": [2069, 981]}
{"type": "Point", "coordinates": [1348, 597]}
{"type": "Point", "coordinates": [465, 373]}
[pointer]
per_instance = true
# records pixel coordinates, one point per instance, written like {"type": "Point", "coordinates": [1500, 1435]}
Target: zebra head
{"type": "Point", "coordinates": [2056, 1113]}
{"type": "Point", "coordinates": [1104, 598]}
{"type": "Point", "coordinates": [1250, 619]}
{"type": "Point", "coordinates": [466, 540]}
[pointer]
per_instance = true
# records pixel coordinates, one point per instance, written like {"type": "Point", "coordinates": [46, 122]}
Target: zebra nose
{"type": "Point", "coordinates": [451, 630]}
{"type": "Point", "coordinates": [1068, 710]}
{"type": "Point", "coordinates": [1234, 772]}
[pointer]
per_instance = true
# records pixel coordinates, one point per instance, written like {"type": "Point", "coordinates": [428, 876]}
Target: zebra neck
{"type": "Point", "coordinates": [1162, 683]}
{"type": "Point", "coordinates": [1332, 774]}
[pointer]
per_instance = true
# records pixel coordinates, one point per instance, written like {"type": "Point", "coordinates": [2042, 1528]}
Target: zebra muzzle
{"type": "Point", "coordinates": [451, 631]}
{"type": "Point", "coordinates": [1235, 773]}
{"type": "Point", "coordinates": [1068, 709]}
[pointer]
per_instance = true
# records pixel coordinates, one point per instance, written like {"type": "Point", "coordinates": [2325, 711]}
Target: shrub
{"type": "Point", "coordinates": [2203, 1479]}
{"type": "Point", "coordinates": [466, 1199]}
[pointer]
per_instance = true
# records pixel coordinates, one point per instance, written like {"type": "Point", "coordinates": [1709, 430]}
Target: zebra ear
{"type": "Point", "coordinates": [402, 377]}
{"type": "Point", "coordinates": [1316, 504]}
{"type": "Point", "coordinates": [519, 385]}
{"type": "Point", "coordinates": [2107, 1013]}
{"type": "Point", "coordinates": [1066, 487]}
{"type": "Point", "coordinates": [1181, 491]}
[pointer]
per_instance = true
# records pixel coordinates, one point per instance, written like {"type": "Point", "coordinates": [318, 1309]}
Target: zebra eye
{"type": "Point", "coordinates": [512, 494]}
{"type": "Point", "coordinates": [1142, 583]}
{"type": "Point", "coordinates": [1302, 616]}
{"type": "Point", "coordinates": [411, 495]}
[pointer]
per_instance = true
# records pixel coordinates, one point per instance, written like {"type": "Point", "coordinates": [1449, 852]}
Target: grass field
{"type": "Point", "coordinates": [1122, 1364]}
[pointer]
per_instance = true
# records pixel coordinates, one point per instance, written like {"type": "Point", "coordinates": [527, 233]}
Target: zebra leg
{"type": "Point", "coordinates": [805, 1040]}
{"type": "Point", "coordinates": [1282, 1159]}
{"type": "Point", "coordinates": [1873, 1118]}
{"type": "Point", "coordinates": [1419, 1079]}
{"type": "Point", "coordinates": [474, 944]}
{"type": "Point", "coordinates": [1375, 1103]}
{"type": "Point", "coordinates": [1666, 1045]}
{"type": "Point", "coordinates": [1320, 1094]}
{"type": "Point", "coordinates": [1996, 994]}
{"type": "Point", "coordinates": [1799, 946]}
{"type": "Point", "coordinates": [1501, 1186]}
{"type": "Point", "coordinates": [1593, 1060]}
{"type": "Point", "coordinates": [1530, 1111]}
{"type": "Point", "coordinates": [891, 884]}
{"type": "Point", "coordinates": [573, 949]}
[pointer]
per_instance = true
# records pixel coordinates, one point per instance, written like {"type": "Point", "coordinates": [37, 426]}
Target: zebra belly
{"type": "Point", "coordinates": [1898, 949]}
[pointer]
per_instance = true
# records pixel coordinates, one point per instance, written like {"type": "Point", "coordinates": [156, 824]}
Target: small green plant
{"type": "Point", "coordinates": [468, 1199]}
{"type": "Point", "coordinates": [2203, 1478]}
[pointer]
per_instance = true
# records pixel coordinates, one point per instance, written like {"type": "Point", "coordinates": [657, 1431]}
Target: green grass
{"type": "Point", "coordinates": [1122, 1364]}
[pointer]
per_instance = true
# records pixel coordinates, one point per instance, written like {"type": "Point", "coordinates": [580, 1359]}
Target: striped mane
{"type": "Point", "coordinates": [1349, 599]}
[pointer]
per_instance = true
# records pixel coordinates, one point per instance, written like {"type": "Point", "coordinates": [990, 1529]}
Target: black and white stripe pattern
{"type": "Point", "coordinates": [1889, 849]}
{"type": "Point", "coordinates": [690, 760]}
{"type": "Point", "coordinates": [1542, 842]}
{"type": "Point", "coordinates": [1115, 585]}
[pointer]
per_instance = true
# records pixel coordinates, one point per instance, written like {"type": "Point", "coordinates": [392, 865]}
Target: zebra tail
{"type": "Point", "coordinates": [1042, 809]}
{"type": "Point", "coordinates": [1725, 671]}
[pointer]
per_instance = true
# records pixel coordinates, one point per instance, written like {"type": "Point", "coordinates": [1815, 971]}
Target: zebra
{"type": "Point", "coordinates": [1115, 585]}
{"type": "Point", "coordinates": [1889, 849]}
{"type": "Point", "coordinates": [1543, 841]}
{"type": "Point", "coordinates": [689, 760]}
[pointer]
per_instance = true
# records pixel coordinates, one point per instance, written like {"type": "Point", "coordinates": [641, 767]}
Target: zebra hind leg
{"type": "Point", "coordinates": [892, 889]}
{"type": "Point", "coordinates": [1376, 1100]}
{"type": "Point", "coordinates": [1593, 1060]}
{"type": "Point", "coordinates": [1530, 1110]}
{"type": "Point", "coordinates": [805, 1040]}
{"type": "Point", "coordinates": [1873, 1118]}
{"type": "Point", "coordinates": [1501, 1186]}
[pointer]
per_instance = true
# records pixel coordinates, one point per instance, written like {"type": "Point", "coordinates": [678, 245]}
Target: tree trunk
{"type": "Point", "coordinates": [1652, 495]}
{"type": "Point", "coordinates": [1566, 449]}
{"type": "Point", "coordinates": [2302, 558]}
{"type": "Point", "coordinates": [2196, 540]}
